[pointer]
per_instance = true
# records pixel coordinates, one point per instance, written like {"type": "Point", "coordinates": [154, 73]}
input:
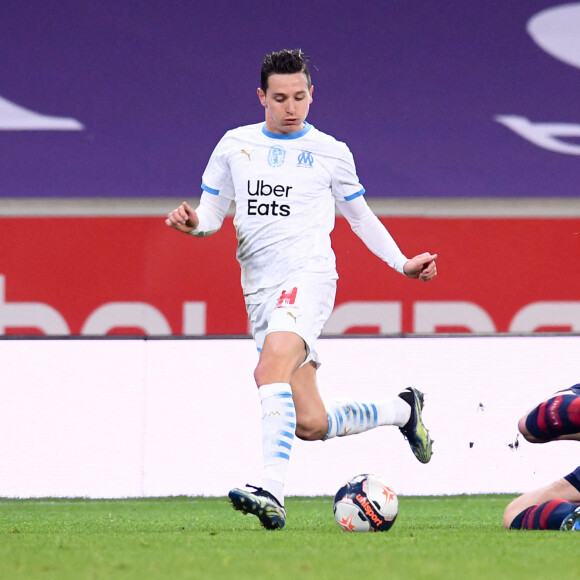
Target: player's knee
{"type": "Point", "coordinates": [523, 429]}
{"type": "Point", "coordinates": [267, 372]}
{"type": "Point", "coordinates": [311, 428]}
{"type": "Point", "coordinates": [260, 375]}
{"type": "Point", "coordinates": [310, 433]}
{"type": "Point", "coordinates": [277, 363]}
{"type": "Point", "coordinates": [508, 516]}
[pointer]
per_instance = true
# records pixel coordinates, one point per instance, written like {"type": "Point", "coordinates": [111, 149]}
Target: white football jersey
{"type": "Point", "coordinates": [284, 188]}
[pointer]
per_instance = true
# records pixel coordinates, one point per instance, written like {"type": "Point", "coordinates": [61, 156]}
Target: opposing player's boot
{"type": "Point", "coordinates": [572, 522]}
{"type": "Point", "coordinates": [414, 430]}
{"type": "Point", "coordinates": [573, 390]}
{"type": "Point", "coordinates": [260, 503]}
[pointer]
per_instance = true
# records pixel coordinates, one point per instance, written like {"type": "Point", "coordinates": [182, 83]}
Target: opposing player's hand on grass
{"type": "Point", "coordinates": [422, 267]}
{"type": "Point", "coordinates": [183, 218]}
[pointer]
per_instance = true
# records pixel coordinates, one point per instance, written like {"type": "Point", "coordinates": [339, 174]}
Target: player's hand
{"type": "Point", "coordinates": [422, 267]}
{"type": "Point", "coordinates": [183, 218]}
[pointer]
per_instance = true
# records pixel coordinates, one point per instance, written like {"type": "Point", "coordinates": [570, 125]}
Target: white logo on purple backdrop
{"type": "Point", "coordinates": [16, 118]}
{"type": "Point", "coordinates": [555, 30]}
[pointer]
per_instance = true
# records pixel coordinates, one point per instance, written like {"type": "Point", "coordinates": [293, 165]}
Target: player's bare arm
{"type": "Point", "coordinates": [422, 267]}
{"type": "Point", "coordinates": [184, 218]}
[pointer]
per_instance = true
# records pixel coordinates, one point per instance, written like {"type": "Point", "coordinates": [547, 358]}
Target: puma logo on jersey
{"type": "Point", "coordinates": [248, 153]}
{"type": "Point", "coordinates": [295, 318]}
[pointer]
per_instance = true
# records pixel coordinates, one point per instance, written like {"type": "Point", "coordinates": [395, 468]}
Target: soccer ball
{"type": "Point", "coordinates": [366, 503]}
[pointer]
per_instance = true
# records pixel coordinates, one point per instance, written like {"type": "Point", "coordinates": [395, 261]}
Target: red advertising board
{"type": "Point", "coordinates": [133, 275]}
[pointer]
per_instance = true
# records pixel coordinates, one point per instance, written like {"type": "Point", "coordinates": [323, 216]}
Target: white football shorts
{"type": "Point", "coordinates": [301, 305]}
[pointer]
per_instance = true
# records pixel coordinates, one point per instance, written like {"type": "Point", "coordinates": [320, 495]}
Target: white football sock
{"type": "Point", "coordinates": [351, 417]}
{"type": "Point", "coordinates": [278, 430]}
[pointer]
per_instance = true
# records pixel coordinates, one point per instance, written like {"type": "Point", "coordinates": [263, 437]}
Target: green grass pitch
{"type": "Point", "coordinates": [434, 537]}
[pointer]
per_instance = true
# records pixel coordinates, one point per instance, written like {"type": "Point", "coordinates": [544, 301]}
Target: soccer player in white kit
{"type": "Point", "coordinates": [286, 179]}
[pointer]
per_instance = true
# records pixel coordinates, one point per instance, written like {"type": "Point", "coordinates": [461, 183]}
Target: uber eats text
{"type": "Point", "coordinates": [260, 190]}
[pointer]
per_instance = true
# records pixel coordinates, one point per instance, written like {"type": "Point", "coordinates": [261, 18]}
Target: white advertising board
{"type": "Point", "coordinates": [144, 417]}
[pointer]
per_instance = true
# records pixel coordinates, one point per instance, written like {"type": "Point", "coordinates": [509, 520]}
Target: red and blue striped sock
{"type": "Point", "coordinates": [546, 516]}
{"type": "Point", "coordinates": [559, 415]}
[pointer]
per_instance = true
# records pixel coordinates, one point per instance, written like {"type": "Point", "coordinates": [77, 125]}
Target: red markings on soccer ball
{"type": "Point", "coordinates": [389, 494]}
{"type": "Point", "coordinates": [347, 524]}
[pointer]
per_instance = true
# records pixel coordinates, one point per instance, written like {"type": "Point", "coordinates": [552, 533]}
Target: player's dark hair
{"type": "Point", "coordinates": [285, 62]}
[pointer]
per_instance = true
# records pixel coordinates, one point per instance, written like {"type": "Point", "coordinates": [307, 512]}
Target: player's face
{"type": "Point", "coordinates": [286, 101]}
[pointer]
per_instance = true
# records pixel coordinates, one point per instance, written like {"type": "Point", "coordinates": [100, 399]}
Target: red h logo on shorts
{"type": "Point", "coordinates": [286, 298]}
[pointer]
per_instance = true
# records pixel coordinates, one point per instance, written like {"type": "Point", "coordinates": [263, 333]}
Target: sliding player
{"type": "Point", "coordinates": [555, 506]}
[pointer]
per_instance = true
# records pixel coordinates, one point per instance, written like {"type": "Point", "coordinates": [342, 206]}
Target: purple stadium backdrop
{"type": "Point", "coordinates": [436, 99]}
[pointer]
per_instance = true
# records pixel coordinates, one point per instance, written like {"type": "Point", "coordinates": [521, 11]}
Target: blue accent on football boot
{"type": "Point", "coordinates": [260, 503]}
{"type": "Point", "coordinates": [572, 522]}
{"type": "Point", "coordinates": [414, 430]}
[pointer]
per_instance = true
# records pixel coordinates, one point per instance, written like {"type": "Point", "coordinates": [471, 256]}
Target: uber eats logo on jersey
{"type": "Point", "coordinates": [265, 202]}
